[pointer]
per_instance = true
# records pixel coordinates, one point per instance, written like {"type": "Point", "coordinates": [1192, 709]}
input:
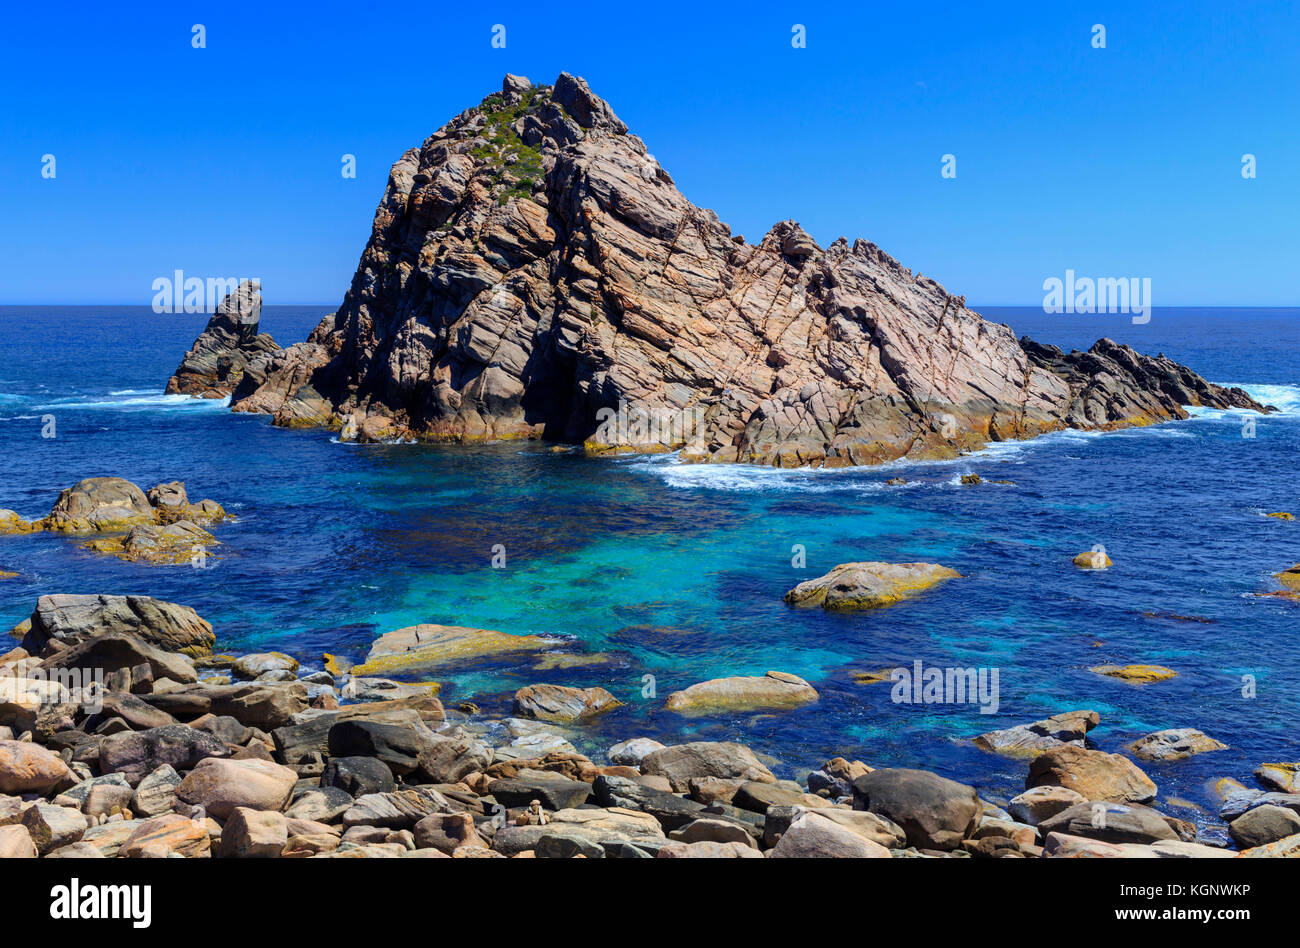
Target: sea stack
{"type": "Point", "coordinates": [226, 348]}
{"type": "Point", "coordinates": [534, 273]}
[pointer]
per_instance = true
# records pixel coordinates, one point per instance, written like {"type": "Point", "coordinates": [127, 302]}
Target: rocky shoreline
{"type": "Point", "coordinates": [123, 734]}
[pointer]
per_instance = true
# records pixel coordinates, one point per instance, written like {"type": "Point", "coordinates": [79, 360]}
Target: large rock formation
{"type": "Point", "coordinates": [533, 272]}
{"type": "Point", "coordinates": [225, 349]}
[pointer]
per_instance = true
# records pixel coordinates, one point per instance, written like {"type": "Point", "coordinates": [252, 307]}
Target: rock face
{"type": "Point", "coordinates": [851, 586]}
{"type": "Point", "coordinates": [225, 349]}
{"type": "Point", "coordinates": [533, 272]}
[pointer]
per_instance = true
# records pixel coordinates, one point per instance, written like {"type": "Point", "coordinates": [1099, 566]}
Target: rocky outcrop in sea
{"type": "Point", "coordinates": [228, 347]}
{"type": "Point", "coordinates": [534, 273]}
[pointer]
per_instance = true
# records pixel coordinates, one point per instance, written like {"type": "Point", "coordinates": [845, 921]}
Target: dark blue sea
{"type": "Point", "coordinates": [677, 571]}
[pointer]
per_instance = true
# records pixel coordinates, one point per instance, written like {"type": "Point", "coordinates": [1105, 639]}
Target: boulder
{"type": "Point", "coordinates": [707, 850]}
{"type": "Point", "coordinates": [401, 809]}
{"type": "Point", "coordinates": [554, 791]}
{"type": "Point", "coordinates": [451, 755]}
{"type": "Point", "coordinates": [1029, 740]}
{"type": "Point", "coordinates": [170, 544]}
{"type": "Point", "coordinates": [1174, 744]}
{"type": "Point", "coordinates": [1287, 847]}
{"type": "Point", "coordinates": [219, 786]}
{"type": "Point", "coordinates": [110, 837]}
{"type": "Point", "coordinates": [358, 776]}
{"type": "Point", "coordinates": [323, 804]}
{"type": "Point", "coordinates": [708, 829]}
{"type": "Point", "coordinates": [775, 690]}
{"type": "Point", "coordinates": [680, 762]}
{"type": "Point", "coordinates": [164, 625]}
{"type": "Point", "coordinates": [165, 835]}
{"type": "Point", "coordinates": [1094, 774]}
{"type": "Point", "coordinates": [135, 754]}
{"type": "Point", "coordinates": [263, 705]}
{"type": "Point", "coordinates": [29, 768]}
{"type": "Point", "coordinates": [169, 494]}
{"type": "Point", "coordinates": [115, 651]}
{"type": "Point", "coordinates": [447, 832]}
{"type": "Point", "coordinates": [1065, 846]}
{"type": "Point", "coordinates": [224, 728]}
{"type": "Point", "coordinates": [258, 664]}
{"type": "Point", "coordinates": [760, 797]}
{"type": "Point", "coordinates": [107, 799]}
{"type": "Point", "coordinates": [836, 776]}
{"type": "Point", "coordinates": [16, 843]}
{"type": "Point", "coordinates": [79, 850]}
{"type": "Point", "coordinates": [1040, 803]}
{"type": "Point", "coordinates": [1135, 674]}
{"type": "Point", "coordinates": [559, 703]}
{"type": "Point", "coordinates": [99, 503]}
{"type": "Point", "coordinates": [80, 792]}
{"type": "Point", "coordinates": [934, 812]}
{"type": "Point", "coordinates": [434, 646]}
{"type": "Point", "coordinates": [813, 836]}
{"type": "Point", "coordinates": [136, 712]}
{"type": "Point", "coordinates": [1262, 825]}
{"type": "Point", "coordinates": [870, 826]}
{"type": "Point", "coordinates": [398, 746]}
{"type": "Point", "coordinates": [250, 833]}
{"type": "Point", "coordinates": [671, 811]}
{"type": "Point", "coordinates": [385, 689]}
{"type": "Point", "coordinates": [1284, 778]}
{"type": "Point", "coordinates": [307, 733]}
{"type": "Point", "coordinates": [52, 827]}
{"type": "Point", "coordinates": [631, 753]}
{"type": "Point", "coordinates": [1110, 822]}
{"type": "Point", "coordinates": [12, 523]}
{"type": "Point", "coordinates": [853, 586]}
{"type": "Point", "coordinates": [1093, 559]}
{"type": "Point", "coordinates": [156, 793]}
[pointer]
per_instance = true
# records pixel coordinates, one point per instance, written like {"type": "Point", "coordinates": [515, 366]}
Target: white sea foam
{"type": "Point", "coordinates": [743, 477]}
{"type": "Point", "coordinates": [143, 401]}
{"type": "Point", "coordinates": [1286, 398]}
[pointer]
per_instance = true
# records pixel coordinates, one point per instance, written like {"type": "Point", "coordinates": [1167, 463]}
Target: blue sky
{"type": "Point", "coordinates": [225, 161]}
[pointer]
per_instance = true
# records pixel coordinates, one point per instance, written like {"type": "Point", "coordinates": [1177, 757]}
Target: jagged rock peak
{"type": "Point", "coordinates": [217, 361]}
{"type": "Point", "coordinates": [533, 272]}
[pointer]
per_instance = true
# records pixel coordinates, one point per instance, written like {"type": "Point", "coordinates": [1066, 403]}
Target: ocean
{"type": "Point", "coordinates": [677, 571]}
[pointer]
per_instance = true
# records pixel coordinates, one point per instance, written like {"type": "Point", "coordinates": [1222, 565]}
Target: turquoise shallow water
{"type": "Point", "coordinates": [678, 571]}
